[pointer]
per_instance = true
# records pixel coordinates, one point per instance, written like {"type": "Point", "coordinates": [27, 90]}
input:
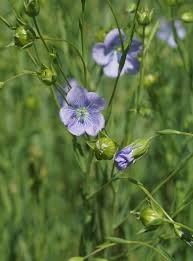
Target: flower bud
{"type": "Point", "coordinates": [151, 218]}
{"type": "Point", "coordinates": [47, 75]}
{"type": "Point", "coordinates": [32, 7]}
{"type": "Point", "coordinates": [187, 17]}
{"type": "Point", "coordinates": [184, 234]}
{"type": "Point", "coordinates": [105, 148]}
{"type": "Point", "coordinates": [128, 155]}
{"type": "Point", "coordinates": [144, 16]}
{"type": "Point", "coordinates": [140, 147]}
{"type": "Point", "coordinates": [24, 36]}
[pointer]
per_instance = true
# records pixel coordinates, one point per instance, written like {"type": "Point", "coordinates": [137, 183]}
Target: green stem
{"type": "Point", "coordinates": [117, 24]}
{"type": "Point", "coordinates": [55, 98]}
{"type": "Point", "coordinates": [121, 64]}
{"type": "Point", "coordinates": [19, 75]}
{"type": "Point", "coordinates": [177, 41]}
{"type": "Point", "coordinates": [4, 21]}
{"type": "Point", "coordinates": [75, 49]}
{"type": "Point", "coordinates": [140, 85]}
{"type": "Point", "coordinates": [40, 35]}
{"type": "Point", "coordinates": [169, 177]}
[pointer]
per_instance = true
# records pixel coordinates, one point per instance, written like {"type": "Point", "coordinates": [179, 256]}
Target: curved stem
{"type": "Point", "coordinates": [40, 35]}
{"type": "Point", "coordinates": [19, 75]}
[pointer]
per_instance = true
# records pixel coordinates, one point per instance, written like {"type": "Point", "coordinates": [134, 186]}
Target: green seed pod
{"type": "Point", "coordinates": [24, 36]}
{"type": "Point", "coordinates": [151, 218]}
{"type": "Point", "coordinates": [105, 148]}
{"type": "Point", "coordinates": [144, 17]}
{"type": "Point", "coordinates": [32, 7]}
{"type": "Point", "coordinates": [47, 75]}
{"type": "Point", "coordinates": [140, 147]}
{"type": "Point", "coordinates": [187, 17]}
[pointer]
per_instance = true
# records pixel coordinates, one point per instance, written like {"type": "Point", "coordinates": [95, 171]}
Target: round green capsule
{"type": "Point", "coordinates": [24, 36]}
{"type": "Point", "coordinates": [105, 148]}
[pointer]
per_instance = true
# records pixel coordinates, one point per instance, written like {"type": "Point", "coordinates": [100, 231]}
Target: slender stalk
{"type": "Point", "coordinates": [32, 57]}
{"type": "Point", "coordinates": [4, 21]}
{"type": "Point", "coordinates": [123, 58]}
{"type": "Point", "coordinates": [19, 75]}
{"type": "Point", "coordinates": [40, 35]}
{"type": "Point", "coordinates": [140, 85]}
{"type": "Point", "coordinates": [75, 49]}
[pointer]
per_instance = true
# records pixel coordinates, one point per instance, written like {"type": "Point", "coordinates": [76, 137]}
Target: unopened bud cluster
{"type": "Point", "coordinates": [145, 16]}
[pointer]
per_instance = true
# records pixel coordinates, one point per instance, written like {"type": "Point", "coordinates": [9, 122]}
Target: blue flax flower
{"type": "Point", "coordinates": [124, 158]}
{"type": "Point", "coordinates": [82, 114]}
{"type": "Point", "coordinates": [108, 55]}
{"type": "Point", "coordinates": [166, 33]}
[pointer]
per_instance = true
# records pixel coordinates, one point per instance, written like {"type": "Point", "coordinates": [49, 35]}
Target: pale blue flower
{"type": "Point", "coordinates": [82, 114]}
{"type": "Point", "coordinates": [108, 55]}
{"type": "Point", "coordinates": [166, 33]}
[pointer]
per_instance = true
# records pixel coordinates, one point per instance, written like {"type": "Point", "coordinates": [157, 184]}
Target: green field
{"type": "Point", "coordinates": [47, 175]}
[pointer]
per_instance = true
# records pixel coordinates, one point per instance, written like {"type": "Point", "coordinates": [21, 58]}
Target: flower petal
{"type": "Point", "coordinates": [180, 29]}
{"type": "Point", "coordinates": [100, 55]}
{"type": "Point", "coordinates": [171, 41]}
{"type": "Point", "coordinates": [165, 30]}
{"type": "Point", "coordinates": [96, 103]}
{"type": "Point", "coordinates": [131, 65]}
{"type": "Point", "coordinates": [94, 124]}
{"type": "Point", "coordinates": [66, 114]}
{"type": "Point", "coordinates": [136, 47]}
{"type": "Point", "coordinates": [77, 97]}
{"type": "Point", "coordinates": [112, 39]}
{"type": "Point", "coordinates": [76, 127]}
{"type": "Point", "coordinates": [112, 68]}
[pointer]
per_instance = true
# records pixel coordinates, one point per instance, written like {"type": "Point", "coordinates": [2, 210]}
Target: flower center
{"type": "Point", "coordinates": [82, 113]}
{"type": "Point", "coordinates": [118, 49]}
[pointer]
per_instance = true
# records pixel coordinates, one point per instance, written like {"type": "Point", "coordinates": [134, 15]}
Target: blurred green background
{"type": "Point", "coordinates": [41, 208]}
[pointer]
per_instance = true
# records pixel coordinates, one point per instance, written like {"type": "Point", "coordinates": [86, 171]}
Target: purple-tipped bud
{"type": "Point", "coordinates": [127, 156]}
{"type": "Point", "coordinates": [124, 158]}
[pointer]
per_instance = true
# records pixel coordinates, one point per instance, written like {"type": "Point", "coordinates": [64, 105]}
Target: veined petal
{"type": "Point", "coordinates": [112, 68]}
{"type": "Point", "coordinates": [100, 55]}
{"type": "Point", "coordinates": [67, 114]}
{"type": "Point", "coordinates": [180, 29]}
{"type": "Point", "coordinates": [77, 97]}
{"type": "Point", "coordinates": [96, 103]}
{"type": "Point", "coordinates": [76, 127]}
{"type": "Point", "coordinates": [112, 39]}
{"type": "Point", "coordinates": [171, 41]}
{"type": "Point", "coordinates": [94, 124]}
{"type": "Point", "coordinates": [136, 47]}
{"type": "Point", "coordinates": [131, 65]}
